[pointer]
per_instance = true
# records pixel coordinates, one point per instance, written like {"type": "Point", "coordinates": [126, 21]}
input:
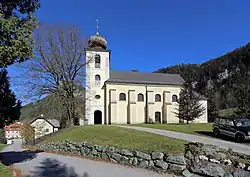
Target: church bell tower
{"type": "Point", "coordinates": [97, 72]}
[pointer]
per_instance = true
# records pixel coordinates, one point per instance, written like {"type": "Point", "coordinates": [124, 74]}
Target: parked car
{"type": "Point", "coordinates": [237, 128]}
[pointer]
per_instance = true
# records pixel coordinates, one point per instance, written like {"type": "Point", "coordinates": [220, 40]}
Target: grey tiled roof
{"type": "Point", "coordinates": [145, 78]}
{"type": "Point", "coordinates": [54, 122]}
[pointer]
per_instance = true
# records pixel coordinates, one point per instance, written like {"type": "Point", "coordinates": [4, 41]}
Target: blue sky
{"type": "Point", "coordinates": [148, 35]}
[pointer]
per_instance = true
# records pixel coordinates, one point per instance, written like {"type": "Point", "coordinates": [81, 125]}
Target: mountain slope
{"type": "Point", "coordinates": [218, 78]}
{"type": "Point", "coordinates": [50, 108]}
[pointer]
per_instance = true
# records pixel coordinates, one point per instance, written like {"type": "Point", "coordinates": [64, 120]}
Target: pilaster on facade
{"type": "Point", "coordinates": [131, 107]}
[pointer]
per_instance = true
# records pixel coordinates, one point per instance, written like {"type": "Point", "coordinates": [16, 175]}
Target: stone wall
{"type": "Point", "coordinates": [205, 160]}
{"type": "Point", "coordinates": [210, 160]}
{"type": "Point", "coordinates": [157, 161]}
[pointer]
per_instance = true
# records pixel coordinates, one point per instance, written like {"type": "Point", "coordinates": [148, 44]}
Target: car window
{"type": "Point", "coordinates": [242, 122]}
{"type": "Point", "coordinates": [222, 121]}
{"type": "Point", "coordinates": [229, 122]}
{"type": "Point", "coordinates": [216, 120]}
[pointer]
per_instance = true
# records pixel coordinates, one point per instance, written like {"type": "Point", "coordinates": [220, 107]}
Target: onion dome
{"type": "Point", "coordinates": [97, 41]}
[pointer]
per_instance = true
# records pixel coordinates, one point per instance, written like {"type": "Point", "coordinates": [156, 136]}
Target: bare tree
{"type": "Point", "coordinates": [57, 71]}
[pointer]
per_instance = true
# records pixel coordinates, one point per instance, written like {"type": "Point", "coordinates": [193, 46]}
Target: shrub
{"type": "Point", "coordinates": [27, 132]}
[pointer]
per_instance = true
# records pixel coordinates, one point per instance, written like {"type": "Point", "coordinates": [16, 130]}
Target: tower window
{"type": "Point", "coordinates": [97, 61]}
{"type": "Point", "coordinates": [157, 98]}
{"type": "Point", "coordinates": [140, 97]}
{"type": "Point", "coordinates": [174, 98]}
{"type": "Point", "coordinates": [122, 97]}
{"type": "Point", "coordinates": [97, 77]}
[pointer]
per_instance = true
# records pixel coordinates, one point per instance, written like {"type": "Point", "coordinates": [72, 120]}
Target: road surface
{"type": "Point", "coordinates": [41, 164]}
{"type": "Point", "coordinates": [240, 148]}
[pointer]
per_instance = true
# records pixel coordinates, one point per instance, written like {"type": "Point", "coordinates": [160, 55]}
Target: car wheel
{"type": "Point", "coordinates": [216, 132]}
{"type": "Point", "coordinates": [239, 138]}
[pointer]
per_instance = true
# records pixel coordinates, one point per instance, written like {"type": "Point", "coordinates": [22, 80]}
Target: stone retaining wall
{"type": "Point", "coordinates": [154, 161]}
{"type": "Point", "coordinates": [210, 160]}
{"type": "Point", "coordinates": [200, 159]}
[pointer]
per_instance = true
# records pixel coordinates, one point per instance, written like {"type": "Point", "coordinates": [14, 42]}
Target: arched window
{"type": "Point", "coordinates": [174, 98]}
{"type": "Point", "coordinates": [97, 77]}
{"type": "Point", "coordinates": [97, 61]}
{"type": "Point", "coordinates": [122, 97]}
{"type": "Point", "coordinates": [140, 97]}
{"type": "Point", "coordinates": [157, 98]}
{"type": "Point", "coordinates": [97, 80]}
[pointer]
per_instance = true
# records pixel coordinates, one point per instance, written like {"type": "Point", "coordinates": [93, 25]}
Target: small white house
{"type": "Point", "coordinates": [44, 126]}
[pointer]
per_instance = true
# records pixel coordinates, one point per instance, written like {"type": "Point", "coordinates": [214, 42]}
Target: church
{"type": "Point", "coordinates": [127, 97]}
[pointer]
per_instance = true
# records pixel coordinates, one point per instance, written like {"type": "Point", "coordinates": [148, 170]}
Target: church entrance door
{"type": "Point", "coordinates": [98, 117]}
{"type": "Point", "coordinates": [158, 117]}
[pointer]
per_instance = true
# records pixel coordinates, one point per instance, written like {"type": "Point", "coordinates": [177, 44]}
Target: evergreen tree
{"type": "Point", "coordinates": [189, 106]}
{"type": "Point", "coordinates": [213, 112]}
{"type": "Point", "coordinates": [242, 94]}
{"type": "Point", "coordinates": [3, 139]}
{"type": "Point", "coordinates": [17, 25]}
{"type": "Point", "coordinates": [9, 107]}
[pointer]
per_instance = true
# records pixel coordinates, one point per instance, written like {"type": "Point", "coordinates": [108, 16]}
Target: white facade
{"type": "Point", "coordinates": [94, 86]}
{"type": "Point", "coordinates": [104, 105]}
{"type": "Point", "coordinates": [12, 134]}
{"type": "Point", "coordinates": [43, 127]}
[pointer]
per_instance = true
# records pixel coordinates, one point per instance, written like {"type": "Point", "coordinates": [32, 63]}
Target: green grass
{"type": "Point", "coordinates": [4, 171]}
{"type": "Point", "coordinates": [196, 128]}
{"type": "Point", "coordinates": [2, 146]}
{"type": "Point", "coordinates": [121, 138]}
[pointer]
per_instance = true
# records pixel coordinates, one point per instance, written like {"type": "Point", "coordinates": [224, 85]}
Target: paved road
{"type": "Point", "coordinates": [241, 148]}
{"type": "Point", "coordinates": [40, 164]}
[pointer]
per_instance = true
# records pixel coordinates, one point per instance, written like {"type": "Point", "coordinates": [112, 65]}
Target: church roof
{"type": "Point", "coordinates": [145, 78]}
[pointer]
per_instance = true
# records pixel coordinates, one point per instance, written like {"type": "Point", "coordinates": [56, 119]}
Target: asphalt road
{"type": "Point", "coordinates": [41, 164]}
{"type": "Point", "coordinates": [240, 148]}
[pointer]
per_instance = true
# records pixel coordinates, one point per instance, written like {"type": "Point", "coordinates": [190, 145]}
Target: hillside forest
{"type": "Point", "coordinates": [224, 80]}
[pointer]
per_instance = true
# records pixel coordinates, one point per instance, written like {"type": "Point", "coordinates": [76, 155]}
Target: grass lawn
{"type": "Point", "coordinates": [4, 171]}
{"type": "Point", "coordinates": [120, 137]}
{"type": "Point", "coordinates": [185, 128]}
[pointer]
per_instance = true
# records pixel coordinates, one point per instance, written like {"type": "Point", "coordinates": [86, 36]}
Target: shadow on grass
{"type": "Point", "coordinates": [54, 168]}
{"type": "Point", "coordinates": [12, 157]}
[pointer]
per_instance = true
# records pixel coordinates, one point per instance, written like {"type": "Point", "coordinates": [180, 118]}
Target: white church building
{"type": "Point", "coordinates": [124, 97]}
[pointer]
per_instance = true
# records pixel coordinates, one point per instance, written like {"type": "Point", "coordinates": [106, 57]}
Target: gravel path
{"type": "Point", "coordinates": [240, 148]}
{"type": "Point", "coordinates": [41, 164]}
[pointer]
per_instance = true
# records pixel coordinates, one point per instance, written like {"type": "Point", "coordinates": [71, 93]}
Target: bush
{"type": "Point", "coordinates": [27, 132]}
{"type": "Point", "coordinates": [3, 139]}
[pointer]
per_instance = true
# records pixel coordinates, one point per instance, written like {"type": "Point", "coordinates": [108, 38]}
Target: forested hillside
{"type": "Point", "coordinates": [220, 78]}
{"type": "Point", "coordinates": [50, 107]}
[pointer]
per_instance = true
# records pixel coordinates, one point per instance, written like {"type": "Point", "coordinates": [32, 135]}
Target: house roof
{"type": "Point", "coordinates": [53, 122]}
{"type": "Point", "coordinates": [14, 126]}
{"type": "Point", "coordinates": [145, 78]}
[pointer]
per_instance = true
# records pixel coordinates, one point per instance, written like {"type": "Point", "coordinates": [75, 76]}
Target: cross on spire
{"type": "Point", "coordinates": [97, 27]}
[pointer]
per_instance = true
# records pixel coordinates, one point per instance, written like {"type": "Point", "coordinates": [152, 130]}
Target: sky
{"type": "Point", "coordinates": [147, 35]}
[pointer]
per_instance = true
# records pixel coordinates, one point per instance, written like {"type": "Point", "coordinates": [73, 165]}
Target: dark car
{"type": "Point", "coordinates": [237, 128]}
